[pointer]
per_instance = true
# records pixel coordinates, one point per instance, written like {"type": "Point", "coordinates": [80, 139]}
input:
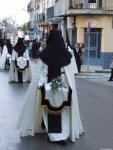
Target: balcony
{"type": "Point", "coordinates": [91, 4]}
{"type": "Point", "coordinates": [86, 4]}
{"type": "Point", "coordinates": [32, 25]}
{"type": "Point", "coordinates": [81, 7]}
{"type": "Point", "coordinates": [90, 7]}
{"type": "Point", "coordinates": [50, 12]}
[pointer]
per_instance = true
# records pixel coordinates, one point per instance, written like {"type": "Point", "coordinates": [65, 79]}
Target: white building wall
{"type": "Point", "coordinates": [32, 12]}
{"type": "Point", "coordinates": [50, 3]}
{"type": "Point", "coordinates": [60, 7]}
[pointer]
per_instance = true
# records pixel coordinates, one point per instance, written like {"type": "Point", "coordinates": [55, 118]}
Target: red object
{"type": "Point", "coordinates": [89, 28]}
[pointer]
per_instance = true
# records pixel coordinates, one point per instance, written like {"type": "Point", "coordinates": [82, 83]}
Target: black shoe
{"type": "Point", "coordinates": [110, 80]}
{"type": "Point", "coordinates": [63, 142]}
{"type": "Point", "coordinates": [82, 133]}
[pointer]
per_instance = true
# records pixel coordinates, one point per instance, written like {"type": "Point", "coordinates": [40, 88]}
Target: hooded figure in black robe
{"type": "Point", "coordinates": [9, 46]}
{"type": "Point", "coordinates": [57, 114]}
{"type": "Point", "coordinates": [55, 54]}
{"type": "Point", "coordinates": [20, 48]}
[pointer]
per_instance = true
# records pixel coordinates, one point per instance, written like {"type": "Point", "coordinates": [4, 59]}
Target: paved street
{"type": "Point", "coordinates": [95, 96]}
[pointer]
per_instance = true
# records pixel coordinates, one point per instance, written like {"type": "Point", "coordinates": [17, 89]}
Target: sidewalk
{"type": "Point", "coordinates": [94, 69]}
{"type": "Point", "coordinates": [101, 78]}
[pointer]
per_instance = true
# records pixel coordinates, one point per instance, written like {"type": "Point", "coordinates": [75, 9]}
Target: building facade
{"type": "Point", "coordinates": [86, 21]}
{"type": "Point", "coordinates": [32, 24]}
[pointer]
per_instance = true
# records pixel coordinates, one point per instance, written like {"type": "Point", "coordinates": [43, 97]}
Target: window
{"type": "Point", "coordinates": [91, 1]}
{"type": "Point", "coordinates": [92, 4]}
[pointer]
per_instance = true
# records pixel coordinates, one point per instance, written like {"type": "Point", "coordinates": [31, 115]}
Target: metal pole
{"type": "Point", "coordinates": [88, 53]}
{"type": "Point", "coordinates": [88, 32]}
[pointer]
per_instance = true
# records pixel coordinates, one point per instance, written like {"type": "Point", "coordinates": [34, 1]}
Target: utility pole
{"type": "Point", "coordinates": [88, 33]}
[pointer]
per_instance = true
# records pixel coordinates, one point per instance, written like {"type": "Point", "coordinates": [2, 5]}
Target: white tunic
{"type": "Point", "coordinates": [30, 118]}
{"type": "Point", "coordinates": [13, 72]}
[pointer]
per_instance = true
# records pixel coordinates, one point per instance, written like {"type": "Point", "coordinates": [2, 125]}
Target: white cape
{"type": "Point", "coordinates": [73, 61]}
{"type": "Point", "coordinates": [3, 57]}
{"type": "Point", "coordinates": [29, 120]}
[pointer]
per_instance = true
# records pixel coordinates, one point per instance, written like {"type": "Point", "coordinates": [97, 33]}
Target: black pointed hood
{"type": "Point", "coordinates": [55, 54]}
{"type": "Point", "coordinates": [20, 47]}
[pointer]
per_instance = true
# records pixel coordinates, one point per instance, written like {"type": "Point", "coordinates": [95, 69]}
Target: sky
{"type": "Point", "coordinates": [17, 9]}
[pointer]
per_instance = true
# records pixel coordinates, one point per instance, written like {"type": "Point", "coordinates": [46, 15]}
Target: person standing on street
{"type": "Point", "coordinates": [111, 67]}
{"type": "Point", "coordinates": [78, 55]}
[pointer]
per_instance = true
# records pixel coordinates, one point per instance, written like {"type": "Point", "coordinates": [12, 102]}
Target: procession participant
{"type": "Point", "coordinates": [51, 103]}
{"type": "Point", "coordinates": [3, 57]}
{"type": "Point", "coordinates": [20, 69]}
{"type": "Point", "coordinates": [9, 49]}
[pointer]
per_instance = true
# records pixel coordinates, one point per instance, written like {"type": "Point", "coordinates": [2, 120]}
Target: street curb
{"type": "Point", "coordinates": [102, 71]}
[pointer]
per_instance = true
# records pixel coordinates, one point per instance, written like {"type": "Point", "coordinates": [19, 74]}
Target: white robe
{"type": "Point", "coordinates": [13, 75]}
{"type": "Point", "coordinates": [29, 120]}
{"type": "Point", "coordinates": [0, 52]}
{"type": "Point", "coordinates": [73, 61]}
{"type": "Point", "coordinates": [3, 57]}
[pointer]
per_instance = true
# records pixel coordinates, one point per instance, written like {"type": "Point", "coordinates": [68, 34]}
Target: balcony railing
{"type": "Point", "coordinates": [77, 7]}
{"type": "Point", "coordinates": [91, 4]}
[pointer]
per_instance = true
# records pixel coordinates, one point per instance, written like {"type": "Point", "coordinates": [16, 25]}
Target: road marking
{"type": "Point", "coordinates": [106, 149]}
